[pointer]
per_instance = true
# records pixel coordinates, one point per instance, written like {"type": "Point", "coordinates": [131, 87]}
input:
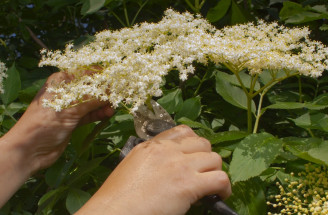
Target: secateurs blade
{"type": "Point", "coordinates": [150, 121]}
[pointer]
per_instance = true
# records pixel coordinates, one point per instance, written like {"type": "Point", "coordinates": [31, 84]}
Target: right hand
{"type": "Point", "coordinates": [162, 176]}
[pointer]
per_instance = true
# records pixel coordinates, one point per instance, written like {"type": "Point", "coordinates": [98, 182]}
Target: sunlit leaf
{"type": "Point", "coordinates": [248, 197]}
{"type": "Point", "coordinates": [311, 149]}
{"type": "Point", "coordinates": [254, 155]}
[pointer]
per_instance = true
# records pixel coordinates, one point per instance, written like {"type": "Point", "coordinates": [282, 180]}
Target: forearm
{"type": "Point", "coordinates": [14, 169]}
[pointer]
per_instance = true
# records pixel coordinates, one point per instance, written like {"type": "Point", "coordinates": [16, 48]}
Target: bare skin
{"type": "Point", "coordinates": [40, 136]}
{"type": "Point", "coordinates": [163, 176]}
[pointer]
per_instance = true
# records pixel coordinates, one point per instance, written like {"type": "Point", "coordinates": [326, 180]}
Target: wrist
{"type": "Point", "coordinates": [14, 169]}
{"type": "Point", "coordinates": [18, 143]}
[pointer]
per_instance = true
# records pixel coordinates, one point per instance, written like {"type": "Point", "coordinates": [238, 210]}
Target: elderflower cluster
{"type": "Point", "coordinates": [3, 75]}
{"type": "Point", "coordinates": [306, 195]}
{"type": "Point", "coordinates": [131, 62]}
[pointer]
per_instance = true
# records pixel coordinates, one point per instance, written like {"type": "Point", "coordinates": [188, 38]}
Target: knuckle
{"type": "Point", "coordinates": [218, 158]}
{"type": "Point", "coordinates": [224, 184]}
{"type": "Point", "coordinates": [184, 129]}
{"type": "Point", "coordinates": [206, 143]}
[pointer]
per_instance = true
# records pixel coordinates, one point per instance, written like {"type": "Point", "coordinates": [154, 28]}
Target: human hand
{"type": "Point", "coordinates": [40, 136]}
{"type": "Point", "coordinates": [43, 134]}
{"type": "Point", "coordinates": [162, 176]}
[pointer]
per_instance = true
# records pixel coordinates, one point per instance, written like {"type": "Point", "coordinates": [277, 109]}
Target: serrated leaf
{"type": "Point", "coordinates": [76, 199]}
{"type": "Point", "coordinates": [312, 121]}
{"type": "Point", "coordinates": [311, 149]}
{"type": "Point", "coordinates": [233, 95]}
{"type": "Point", "coordinates": [254, 155]}
{"type": "Point", "coordinates": [248, 198]}
{"type": "Point", "coordinates": [295, 105]}
{"type": "Point", "coordinates": [191, 109]}
{"type": "Point", "coordinates": [172, 102]}
{"type": "Point", "coordinates": [227, 136]}
{"type": "Point", "coordinates": [11, 85]}
{"type": "Point", "coordinates": [193, 124]}
{"type": "Point", "coordinates": [217, 12]}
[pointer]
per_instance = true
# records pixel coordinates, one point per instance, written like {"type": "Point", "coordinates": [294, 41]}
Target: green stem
{"type": "Point", "coordinates": [91, 137]}
{"type": "Point", "coordinates": [270, 84]}
{"type": "Point", "coordinates": [126, 14]}
{"type": "Point", "coordinates": [197, 5]}
{"type": "Point", "coordinates": [310, 132]}
{"type": "Point", "coordinates": [248, 95]}
{"type": "Point", "coordinates": [300, 89]}
{"type": "Point", "coordinates": [140, 8]}
{"type": "Point", "coordinates": [253, 83]}
{"type": "Point", "coordinates": [202, 4]}
{"type": "Point", "coordinates": [200, 84]}
{"type": "Point", "coordinates": [249, 114]}
{"type": "Point", "coordinates": [119, 19]}
{"type": "Point", "coordinates": [191, 6]}
{"type": "Point", "coordinates": [258, 114]}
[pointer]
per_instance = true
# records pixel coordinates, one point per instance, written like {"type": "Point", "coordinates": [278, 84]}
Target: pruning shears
{"type": "Point", "coordinates": [150, 121]}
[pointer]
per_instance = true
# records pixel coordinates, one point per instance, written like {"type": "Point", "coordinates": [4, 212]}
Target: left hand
{"type": "Point", "coordinates": [43, 134]}
{"type": "Point", "coordinates": [40, 136]}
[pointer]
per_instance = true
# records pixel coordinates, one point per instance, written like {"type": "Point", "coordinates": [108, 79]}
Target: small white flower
{"type": "Point", "coordinates": [132, 61]}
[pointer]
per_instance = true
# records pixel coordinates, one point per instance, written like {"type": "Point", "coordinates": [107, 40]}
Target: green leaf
{"type": "Point", "coordinates": [324, 27]}
{"type": "Point", "coordinates": [217, 123]}
{"type": "Point", "coordinates": [49, 199]}
{"type": "Point", "coordinates": [11, 85]}
{"type": "Point", "coordinates": [290, 9]}
{"type": "Point", "coordinates": [227, 136]}
{"type": "Point", "coordinates": [193, 124]}
{"type": "Point", "coordinates": [311, 149]}
{"type": "Point", "coordinates": [244, 77]}
{"type": "Point", "coordinates": [91, 6]}
{"type": "Point", "coordinates": [248, 198]}
{"type": "Point", "coordinates": [312, 121]}
{"type": "Point", "coordinates": [76, 199]}
{"type": "Point", "coordinates": [191, 109]}
{"type": "Point", "coordinates": [79, 135]}
{"type": "Point", "coordinates": [85, 169]}
{"type": "Point", "coordinates": [172, 102]}
{"type": "Point", "coordinates": [53, 174]}
{"type": "Point", "coordinates": [254, 155]}
{"type": "Point", "coordinates": [237, 15]}
{"type": "Point", "coordinates": [217, 12]}
{"type": "Point", "coordinates": [233, 95]}
{"type": "Point", "coordinates": [295, 105]}
{"type": "Point", "coordinates": [295, 13]}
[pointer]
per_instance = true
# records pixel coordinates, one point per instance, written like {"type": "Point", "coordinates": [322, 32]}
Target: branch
{"type": "Point", "coordinates": [35, 38]}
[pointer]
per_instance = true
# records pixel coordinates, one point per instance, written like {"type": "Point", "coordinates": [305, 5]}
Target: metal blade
{"type": "Point", "coordinates": [148, 123]}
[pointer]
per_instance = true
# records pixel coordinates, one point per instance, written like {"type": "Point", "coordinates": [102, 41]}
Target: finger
{"type": "Point", "coordinates": [214, 182]}
{"type": "Point", "coordinates": [194, 144]}
{"type": "Point", "coordinates": [98, 115]}
{"type": "Point", "coordinates": [205, 161]}
{"type": "Point", "coordinates": [177, 132]}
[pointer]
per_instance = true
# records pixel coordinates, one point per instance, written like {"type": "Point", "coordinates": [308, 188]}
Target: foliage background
{"type": "Point", "coordinates": [292, 133]}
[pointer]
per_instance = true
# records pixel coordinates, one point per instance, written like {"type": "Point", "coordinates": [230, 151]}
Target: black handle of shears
{"type": "Point", "coordinates": [213, 202]}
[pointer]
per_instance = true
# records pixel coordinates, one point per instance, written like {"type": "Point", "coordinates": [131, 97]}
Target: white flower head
{"type": "Point", "coordinates": [128, 64]}
{"type": "Point", "coordinates": [3, 75]}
